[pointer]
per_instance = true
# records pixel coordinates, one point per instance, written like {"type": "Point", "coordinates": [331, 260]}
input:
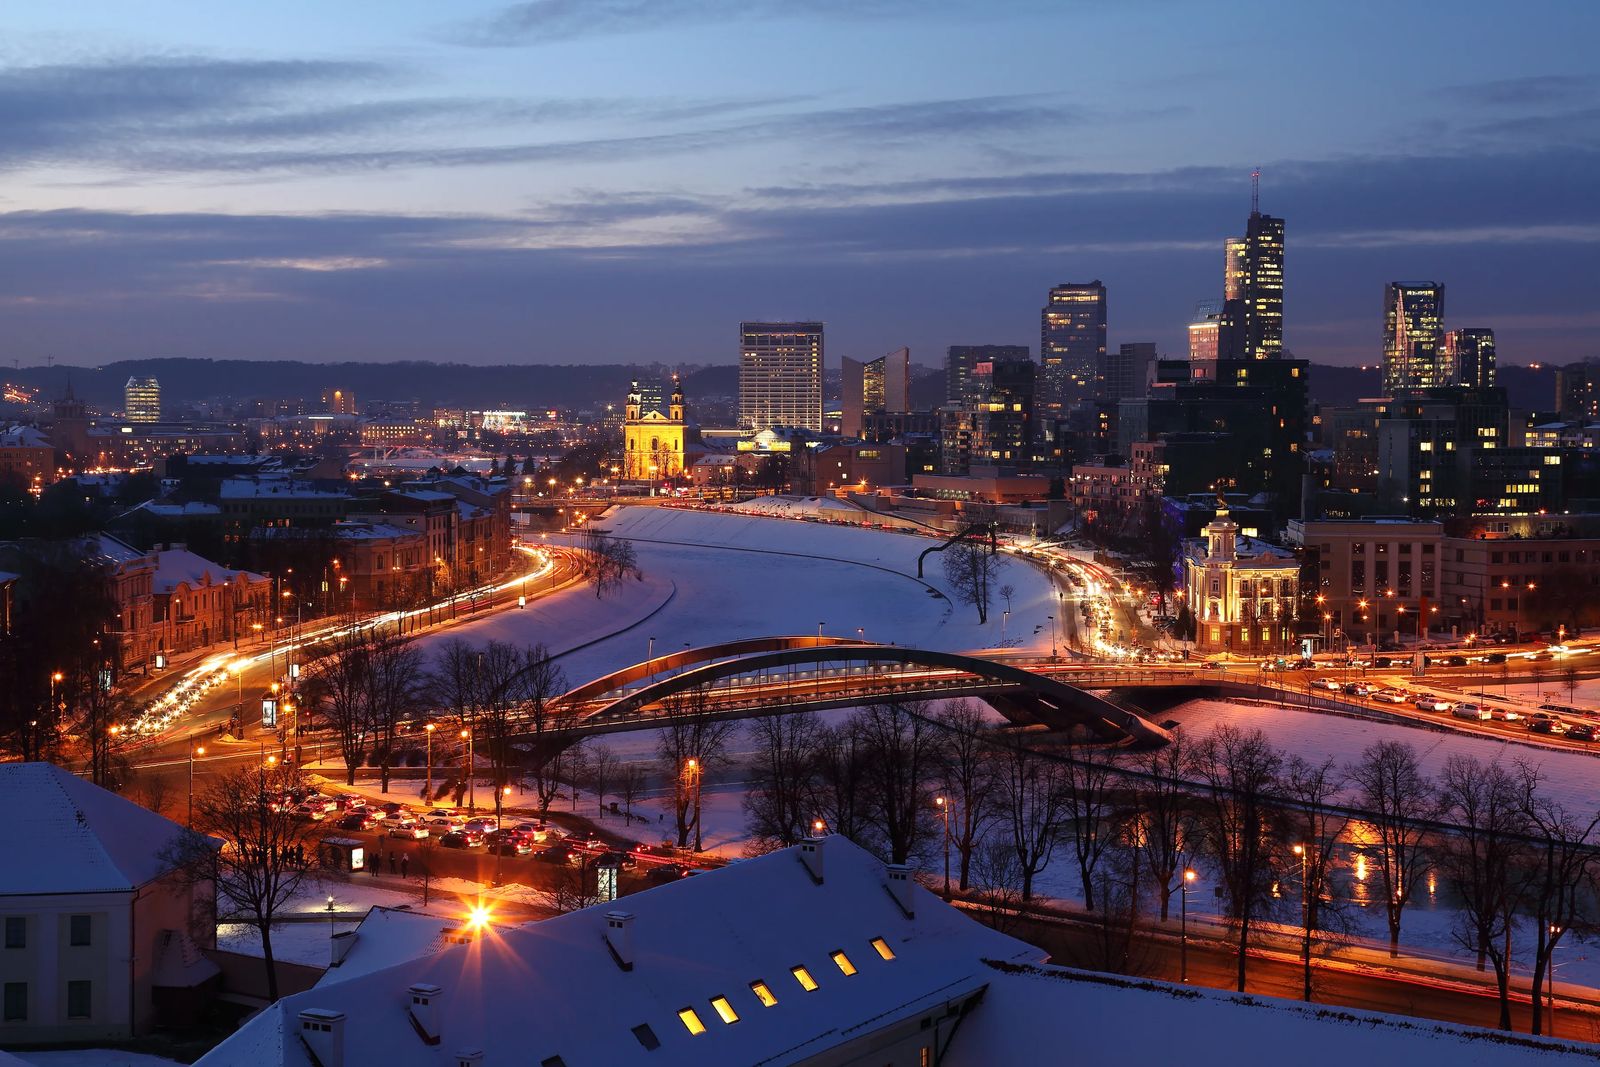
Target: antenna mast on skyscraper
{"type": "Point", "coordinates": [1255, 191]}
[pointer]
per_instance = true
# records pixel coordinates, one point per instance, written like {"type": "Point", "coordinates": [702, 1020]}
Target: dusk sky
{"type": "Point", "coordinates": [608, 181]}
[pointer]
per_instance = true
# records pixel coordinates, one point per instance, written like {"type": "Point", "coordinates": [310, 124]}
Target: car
{"type": "Point", "coordinates": [623, 860]}
{"type": "Point", "coordinates": [312, 812]}
{"type": "Point", "coordinates": [1430, 702]}
{"type": "Point", "coordinates": [1581, 731]}
{"type": "Point", "coordinates": [1330, 684]}
{"type": "Point", "coordinates": [1495, 657]}
{"type": "Point", "coordinates": [349, 802]}
{"type": "Point", "coordinates": [320, 802]}
{"type": "Point", "coordinates": [1467, 710]}
{"type": "Point", "coordinates": [409, 829]}
{"type": "Point", "coordinates": [358, 820]}
{"type": "Point", "coordinates": [1357, 689]}
{"type": "Point", "coordinates": [1453, 661]}
{"type": "Point", "coordinates": [1505, 715]}
{"type": "Point", "coordinates": [1391, 695]}
{"type": "Point", "coordinates": [666, 872]}
{"type": "Point", "coordinates": [532, 831]}
{"type": "Point", "coordinates": [391, 807]}
{"type": "Point", "coordinates": [462, 838]}
{"type": "Point", "coordinates": [558, 854]}
{"type": "Point", "coordinates": [483, 824]}
{"type": "Point", "coordinates": [509, 844]}
{"type": "Point", "coordinates": [586, 840]}
{"type": "Point", "coordinates": [439, 827]}
{"type": "Point", "coordinates": [443, 813]}
{"type": "Point", "coordinates": [1558, 650]}
{"type": "Point", "coordinates": [1383, 661]}
{"type": "Point", "coordinates": [646, 850]}
{"type": "Point", "coordinates": [1551, 725]}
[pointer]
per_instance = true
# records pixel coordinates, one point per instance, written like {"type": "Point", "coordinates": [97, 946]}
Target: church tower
{"type": "Point", "coordinates": [653, 441]}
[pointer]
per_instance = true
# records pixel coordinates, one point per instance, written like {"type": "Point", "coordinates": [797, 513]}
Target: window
{"type": "Point", "coordinates": [843, 961]}
{"type": "Point", "coordinates": [763, 994]}
{"type": "Point", "coordinates": [691, 1021]}
{"type": "Point", "coordinates": [724, 1009]}
{"type": "Point", "coordinates": [78, 1000]}
{"type": "Point", "coordinates": [882, 948]}
{"type": "Point", "coordinates": [16, 1008]}
{"type": "Point", "coordinates": [16, 931]}
{"type": "Point", "coordinates": [647, 1037]}
{"type": "Point", "coordinates": [803, 976]}
{"type": "Point", "coordinates": [80, 927]}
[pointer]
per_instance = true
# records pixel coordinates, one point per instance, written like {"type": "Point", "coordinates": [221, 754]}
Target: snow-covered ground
{"type": "Point", "coordinates": [93, 1057]}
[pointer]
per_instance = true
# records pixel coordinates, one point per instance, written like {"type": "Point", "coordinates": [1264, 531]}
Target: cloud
{"type": "Point", "coordinates": [1537, 90]}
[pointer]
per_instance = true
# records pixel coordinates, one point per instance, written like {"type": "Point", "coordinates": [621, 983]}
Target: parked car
{"type": "Point", "coordinates": [1391, 695]}
{"type": "Point", "coordinates": [585, 840]}
{"type": "Point", "coordinates": [1471, 711]}
{"type": "Point", "coordinates": [349, 802]}
{"type": "Point", "coordinates": [1357, 689]}
{"type": "Point", "coordinates": [462, 838]}
{"type": "Point", "coordinates": [666, 872]}
{"type": "Point", "coordinates": [1505, 715]}
{"type": "Point", "coordinates": [1330, 684]}
{"type": "Point", "coordinates": [483, 824]}
{"type": "Point", "coordinates": [1430, 702]}
{"type": "Point", "coordinates": [623, 860]}
{"type": "Point", "coordinates": [1581, 731]}
{"type": "Point", "coordinates": [558, 854]}
{"type": "Point", "coordinates": [532, 831]}
{"type": "Point", "coordinates": [313, 812]}
{"type": "Point", "coordinates": [1547, 726]}
{"type": "Point", "coordinates": [508, 844]}
{"type": "Point", "coordinates": [358, 820]}
{"type": "Point", "coordinates": [392, 806]}
{"type": "Point", "coordinates": [443, 813]}
{"type": "Point", "coordinates": [409, 829]}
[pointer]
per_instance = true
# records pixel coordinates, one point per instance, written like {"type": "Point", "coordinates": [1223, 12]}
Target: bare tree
{"type": "Point", "coordinates": [903, 749]}
{"type": "Point", "coordinates": [1481, 861]}
{"type": "Point", "coordinates": [610, 561]}
{"type": "Point", "coordinates": [1239, 771]}
{"type": "Point", "coordinates": [603, 768]}
{"type": "Point", "coordinates": [500, 669]}
{"type": "Point", "coordinates": [340, 690]}
{"type": "Point", "coordinates": [1166, 817]}
{"type": "Point", "coordinates": [630, 785]}
{"type": "Point", "coordinates": [1317, 824]}
{"type": "Point", "coordinates": [780, 802]}
{"type": "Point", "coordinates": [998, 876]}
{"type": "Point", "coordinates": [967, 774]}
{"type": "Point", "coordinates": [249, 842]}
{"type": "Point", "coordinates": [453, 682]}
{"type": "Point", "coordinates": [1399, 800]}
{"type": "Point", "coordinates": [689, 732]}
{"type": "Point", "coordinates": [972, 569]}
{"type": "Point", "coordinates": [1560, 888]}
{"type": "Point", "coordinates": [1086, 777]}
{"type": "Point", "coordinates": [545, 719]}
{"type": "Point", "coordinates": [1033, 805]}
{"type": "Point", "coordinates": [395, 682]}
{"type": "Point", "coordinates": [841, 798]}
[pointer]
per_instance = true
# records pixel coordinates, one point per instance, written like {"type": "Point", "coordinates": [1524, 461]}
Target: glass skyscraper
{"type": "Point", "coordinates": [1072, 346]}
{"type": "Point", "coordinates": [1413, 337]}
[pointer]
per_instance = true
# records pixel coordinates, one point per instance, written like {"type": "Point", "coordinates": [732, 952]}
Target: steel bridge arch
{"type": "Point", "coordinates": [1073, 705]}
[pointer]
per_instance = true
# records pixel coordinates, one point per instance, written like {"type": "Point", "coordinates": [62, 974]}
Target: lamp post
{"type": "Point", "coordinates": [472, 794]}
{"type": "Point", "coordinates": [692, 768]}
{"type": "Point", "coordinates": [193, 752]}
{"type": "Point", "coordinates": [944, 813]}
{"type": "Point", "coordinates": [499, 838]}
{"type": "Point", "coordinates": [1183, 925]}
{"type": "Point", "coordinates": [1304, 853]}
{"type": "Point", "coordinates": [428, 730]}
{"type": "Point", "coordinates": [1004, 615]}
{"type": "Point", "coordinates": [1052, 619]}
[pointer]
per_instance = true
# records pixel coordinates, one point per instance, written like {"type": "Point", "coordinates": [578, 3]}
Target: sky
{"type": "Point", "coordinates": [611, 181]}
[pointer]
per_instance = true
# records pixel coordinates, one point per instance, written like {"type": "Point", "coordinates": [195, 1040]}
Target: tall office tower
{"type": "Point", "coordinates": [1413, 337]}
{"type": "Point", "coordinates": [1128, 371]}
{"type": "Point", "coordinates": [1002, 396]}
{"type": "Point", "coordinates": [1072, 346]}
{"type": "Point", "coordinates": [339, 402]}
{"type": "Point", "coordinates": [1204, 328]}
{"type": "Point", "coordinates": [1470, 354]}
{"type": "Point", "coordinates": [141, 400]}
{"type": "Point", "coordinates": [882, 384]}
{"type": "Point", "coordinates": [960, 359]}
{"type": "Point", "coordinates": [1578, 390]}
{"type": "Point", "coordinates": [1253, 288]}
{"type": "Point", "coordinates": [780, 375]}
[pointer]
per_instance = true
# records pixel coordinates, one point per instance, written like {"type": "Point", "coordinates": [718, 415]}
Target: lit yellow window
{"type": "Point", "coordinates": [691, 1021]}
{"type": "Point", "coordinates": [883, 948]}
{"type": "Point", "coordinates": [725, 1009]}
{"type": "Point", "coordinates": [803, 976]}
{"type": "Point", "coordinates": [844, 963]}
{"type": "Point", "coordinates": [763, 994]}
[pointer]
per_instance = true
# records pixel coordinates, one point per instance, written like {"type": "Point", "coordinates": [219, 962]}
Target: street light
{"type": "Point", "coordinates": [499, 839]}
{"type": "Point", "coordinates": [429, 729]}
{"type": "Point", "coordinates": [1183, 925]}
{"type": "Point", "coordinates": [944, 813]}
{"type": "Point", "coordinates": [1305, 920]}
{"type": "Point", "coordinates": [472, 793]}
{"type": "Point", "coordinates": [193, 752]}
{"type": "Point", "coordinates": [691, 768]}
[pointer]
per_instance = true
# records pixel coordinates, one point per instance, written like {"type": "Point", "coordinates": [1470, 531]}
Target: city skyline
{"type": "Point", "coordinates": [479, 186]}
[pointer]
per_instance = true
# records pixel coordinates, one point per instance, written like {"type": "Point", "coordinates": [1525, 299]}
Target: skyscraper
{"type": "Point", "coordinates": [339, 402]}
{"type": "Point", "coordinates": [1072, 346]}
{"type": "Point", "coordinates": [1128, 371]}
{"type": "Point", "coordinates": [141, 400]}
{"type": "Point", "coordinates": [960, 359]}
{"type": "Point", "coordinates": [1002, 406]}
{"type": "Point", "coordinates": [882, 384]}
{"type": "Point", "coordinates": [780, 375]}
{"type": "Point", "coordinates": [1253, 291]}
{"type": "Point", "coordinates": [1470, 354]}
{"type": "Point", "coordinates": [1413, 337]}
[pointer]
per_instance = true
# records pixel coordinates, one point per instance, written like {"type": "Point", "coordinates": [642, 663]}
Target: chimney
{"type": "Point", "coordinates": [900, 888]}
{"type": "Point", "coordinates": [323, 1033]}
{"type": "Point", "coordinates": [470, 1058]}
{"type": "Point", "coordinates": [811, 856]}
{"type": "Point", "coordinates": [619, 937]}
{"type": "Point", "coordinates": [424, 1011]}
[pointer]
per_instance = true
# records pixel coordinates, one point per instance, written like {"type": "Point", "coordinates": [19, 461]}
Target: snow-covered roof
{"type": "Point", "coordinates": [108, 549]}
{"type": "Point", "coordinates": [171, 509]}
{"type": "Point", "coordinates": [74, 837]}
{"type": "Point", "coordinates": [250, 488]}
{"type": "Point", "coordinates": [23, 437]}
{"type": "Point", "coordinates": [558, 988]}
{"type": "Point", "coordinates": [179, 566]}
{"type": "Point", "coordinates": [363, 531]}
{"type": "Point", "coordinates": [390, 936]}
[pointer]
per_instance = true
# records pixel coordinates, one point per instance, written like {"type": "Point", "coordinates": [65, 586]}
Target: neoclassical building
{"type": "Point", "coordinates": [653, 442]}
{"type": "Point", "coordinates": [1244, 593]}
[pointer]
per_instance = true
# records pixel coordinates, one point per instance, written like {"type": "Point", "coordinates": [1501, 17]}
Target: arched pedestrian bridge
{"type": "Point", "coordinates": [775, 675]}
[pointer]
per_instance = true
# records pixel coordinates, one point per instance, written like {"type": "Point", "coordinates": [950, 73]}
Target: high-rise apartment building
{"type": "Point", "coordinates": [960, 359]}
{"type": "Point", "coordinates": [1002, 405]}
{"type": "Point", "coordinates": [882, 384]}
{"type": "Point", "coordinates": [1072, 346]}
{"type": "Point", "coordinates": [1128, 371]}
{"type": "Point", "coordinates": [1204, 332]}
{"type": "Point", "coordinates": [339, 402]}
{"type": "Point", "coordinates": [780, 375]}
{"type": "Point", "coordinates": [1578, 390]}
{"type": "Point", "coordinates": [1413, 337]}
{"type": "Point", "coordinates": [141, 400]}
{"type": "Point", "coordinates": [1253, 291]}
{"type": "Point", "coordinates": [1470, 353]}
